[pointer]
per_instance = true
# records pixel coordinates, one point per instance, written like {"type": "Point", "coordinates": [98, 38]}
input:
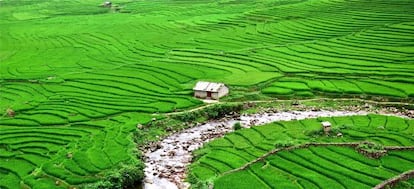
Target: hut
{"type": "Point", "coordinates": [210, 90]}
{"type": "Point", "coordinates": [326, 126]}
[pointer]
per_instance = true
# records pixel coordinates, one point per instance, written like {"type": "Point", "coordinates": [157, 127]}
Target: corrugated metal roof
{"type": "Point", "coordinates": [207, 86]}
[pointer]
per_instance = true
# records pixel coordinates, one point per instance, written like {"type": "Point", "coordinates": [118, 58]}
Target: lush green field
{"type": "Point", "coordinates": [314, 167]}
{"type": "Point", "coordinates": [79, 77]}
{"type": "Point", "coordinates": [319, 167]}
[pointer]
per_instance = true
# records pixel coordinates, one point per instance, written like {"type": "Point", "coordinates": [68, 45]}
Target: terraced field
{"type": "Point", "coordinates": [76, 78]}
{"type": "Point", "coordinates": [326, 166]}
{"type": "Point", "coordinates": [319, 167]}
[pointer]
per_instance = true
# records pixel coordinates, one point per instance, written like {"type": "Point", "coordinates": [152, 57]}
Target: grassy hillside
{"type": "Point", "coordinates": [76, 78]}
{"type": "Point", "coordinates": [310, 167]}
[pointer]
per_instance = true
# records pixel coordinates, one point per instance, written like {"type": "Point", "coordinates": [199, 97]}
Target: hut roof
{"type": "Point", "coordinates": [208, 86]}
{"type": "Point", "coordinates": [107, 3]}
{"type": "Point", "coordinates": [326, 124]}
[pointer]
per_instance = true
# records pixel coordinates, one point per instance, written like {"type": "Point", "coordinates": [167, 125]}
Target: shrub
{"type": "Point", "coordinates": [237, 126]}
{"type": "Point", "coordinates": [186, 117]}
{"type": "Point", "coordinates": [284, 144]}
{"type": "Point", "coordinates": [211, 112]}
{"type": "Point", "coordinates": [220, 110]}
{"type": "Point", "coordinates": [126, 177]}
{"type": "Point", "coordinates": [370, 147]}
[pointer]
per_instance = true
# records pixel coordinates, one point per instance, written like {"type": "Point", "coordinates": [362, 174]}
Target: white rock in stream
{"type": "Point", "coordinates": [165, 167]}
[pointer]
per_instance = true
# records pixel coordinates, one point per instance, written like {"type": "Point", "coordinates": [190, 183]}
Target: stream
{"type": "Point", "coordinates": [166, 165]}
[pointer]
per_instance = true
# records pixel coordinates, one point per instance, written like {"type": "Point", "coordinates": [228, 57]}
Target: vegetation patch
{"type": "Point", "coordinates": [371, 150]}
{"type": "Point", "coordinates": [210, 112]}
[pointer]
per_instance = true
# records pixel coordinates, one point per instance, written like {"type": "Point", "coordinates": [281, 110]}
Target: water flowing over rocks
{"type": "Point", "coordinates": [166, 163]}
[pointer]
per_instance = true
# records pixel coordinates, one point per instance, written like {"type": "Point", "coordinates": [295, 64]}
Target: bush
{"type": "Point", "coordinates": [220, 110]}
{"type": "Point", "coordinates": [211, 112]}
{"type": "Point", "coordinates": [284, 144]}
{"type": "Point", "coordinates": [187, 117]}
{"type": "Point", "coordinates": [370, 147]}
{"type": "Point", "coordinates": [126, 177]}
{"type": "Point", "coordinates": [237, 126]}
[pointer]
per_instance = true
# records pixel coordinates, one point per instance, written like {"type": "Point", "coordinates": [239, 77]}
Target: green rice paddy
{"type": "Point", "coordinates": [79, 77]}
{"type": "Point", "coordinates": [313, 167]}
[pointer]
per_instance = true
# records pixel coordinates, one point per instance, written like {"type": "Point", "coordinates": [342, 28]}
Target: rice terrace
{"type": "Point", "coordinates": [206, 94]}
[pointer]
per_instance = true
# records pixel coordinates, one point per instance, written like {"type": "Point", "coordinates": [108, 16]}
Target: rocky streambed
{"type": "Point", "coordinates": [166, 163]}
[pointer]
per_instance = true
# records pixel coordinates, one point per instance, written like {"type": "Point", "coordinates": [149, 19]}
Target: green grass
{"type": "Point", "coordinates": [83, 75]}
{"type": "Point", "coordinates": [320, 167]}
